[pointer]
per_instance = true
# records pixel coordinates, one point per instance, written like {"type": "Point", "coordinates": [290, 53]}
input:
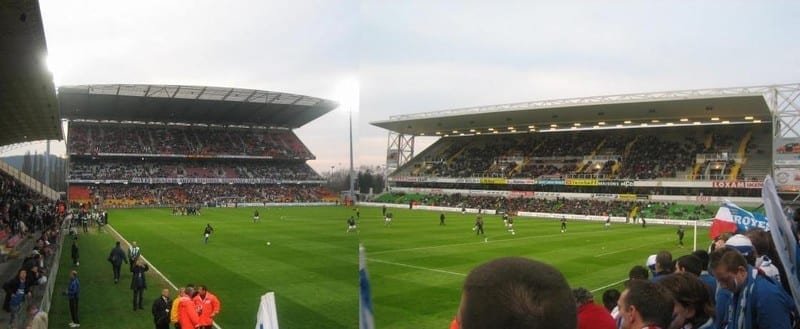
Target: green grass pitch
{"type": "Point", "coordinates": [416, 267]}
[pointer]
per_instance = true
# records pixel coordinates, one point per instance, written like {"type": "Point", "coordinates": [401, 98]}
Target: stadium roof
{"type": "Point", "coordinates": [28, 103]}
{"type": "Point", "coordinates": [706, 106]}
{"type": "Point", "coordinates": [191, 105]}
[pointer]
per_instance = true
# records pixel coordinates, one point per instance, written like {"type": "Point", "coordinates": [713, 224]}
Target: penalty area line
{"type": "Point", "coordinates": [415, 267]}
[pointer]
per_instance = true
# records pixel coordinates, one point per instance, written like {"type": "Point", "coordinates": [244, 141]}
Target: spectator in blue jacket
{"type": "Point", "coordinates": [747, 298]}
{"type": "Point", "coordinates": [73, 291]}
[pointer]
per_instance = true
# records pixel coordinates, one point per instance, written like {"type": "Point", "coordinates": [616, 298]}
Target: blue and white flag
{"type": "Point", "coordinates": [784, 239]}
{"type": "Point", "coordinates": [365, 320]}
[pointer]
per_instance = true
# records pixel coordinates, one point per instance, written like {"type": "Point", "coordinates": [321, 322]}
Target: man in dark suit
{"type": "Point", "coordinates": [116, 257]}
{"type": "Point", "coordinates": [161, 308]}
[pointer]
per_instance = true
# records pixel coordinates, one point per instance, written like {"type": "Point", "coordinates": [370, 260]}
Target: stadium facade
{"type": "Point", "coordinates": [165, 145]}
{"type": "Point", "coordinates": [696, 146]}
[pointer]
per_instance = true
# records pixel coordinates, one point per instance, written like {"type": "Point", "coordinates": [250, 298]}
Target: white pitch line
{"type": "Point", "coordinates": [152, 267]}
{"type": "Point", "coordinates": [462, 274]}
{"type": "Point", "coordinates": [614, 252]}
{"type": "Point", "coordinates": [609, 285]}
{"type": "Point", "coordinates": [415, 267]}
{"type": "Point", "coordinates": [476, 242]}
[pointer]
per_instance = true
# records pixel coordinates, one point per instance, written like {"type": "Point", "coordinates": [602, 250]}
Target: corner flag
{"type": "Point", "coordinates": [783, 237]}
{"type": "Point", "coordinates": [365, 320]}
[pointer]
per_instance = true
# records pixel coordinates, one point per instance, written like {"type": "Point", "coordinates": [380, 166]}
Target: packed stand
{"type": "Point", "coordinates": [642, 155]}
{"type": "Point", "coordinates": [93, 138]}
{"type": "Point", "coordinates": [29, 238]}
{"type": "Point", "coordinates": [652, 157]}
{"type": "Point", "coordinates": [558, 205]}
{"type": "Point", "coordinates": [82, 169]}
{"type": "Point", "coordinates": [132, 195]}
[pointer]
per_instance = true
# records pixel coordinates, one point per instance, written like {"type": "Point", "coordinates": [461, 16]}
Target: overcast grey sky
{"type": "Point", "coordinates": [416, 56]}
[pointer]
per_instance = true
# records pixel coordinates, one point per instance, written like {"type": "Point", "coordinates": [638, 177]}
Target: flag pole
{"type": "Point", "coordinates": [694, 247]}
{"type": "Point", "coordinates": [366, 320]}
{"type": "Point", "coordinates": [352, 172]}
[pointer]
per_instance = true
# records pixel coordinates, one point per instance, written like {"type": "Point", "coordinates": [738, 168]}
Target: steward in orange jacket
{"type": "Point", "coordinates": [187, 311]}
{"type": "Point", "coordinates": [207, 306]}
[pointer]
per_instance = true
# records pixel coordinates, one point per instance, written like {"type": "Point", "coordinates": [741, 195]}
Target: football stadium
{"type": "Point", "coordinates": [195, 206]}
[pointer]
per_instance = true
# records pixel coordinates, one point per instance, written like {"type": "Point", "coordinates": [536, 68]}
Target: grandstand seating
{"type": "Point", "coordinates": [80, 193]}
{"type": "Point", "coordinates": [120, 195]}
{"type": "Point", "coordinates": [558, 205]}
{"type": "Point", "coordinates": [158, 165]}
{"type": "Point", "coordinates": [121, 169]}
{"type": "Point", "coordinates": [642, 154]}
{"type": "Point", "coordinates": [96, 138]}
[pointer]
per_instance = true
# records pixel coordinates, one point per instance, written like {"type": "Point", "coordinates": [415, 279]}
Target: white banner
{"type": "Point", "coordinates": [267, 316]}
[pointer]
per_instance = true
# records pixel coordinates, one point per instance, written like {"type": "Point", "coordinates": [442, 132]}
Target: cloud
{"type": "Point", "coordinates": [419, 56]}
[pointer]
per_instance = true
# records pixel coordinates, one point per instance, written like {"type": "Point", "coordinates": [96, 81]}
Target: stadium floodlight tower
{"type": "Point", "coordinates": [784, 103]}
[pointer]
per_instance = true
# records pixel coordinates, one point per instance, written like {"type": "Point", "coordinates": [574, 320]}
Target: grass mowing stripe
{"type": "Point", "coordinates": [415, 267]}
{"type": "Point", "coordinates": [477, 242]}
{"type": "Point", "coordinates": [616, 251]}
{"type": "Point", "coordinates": [311, 264]}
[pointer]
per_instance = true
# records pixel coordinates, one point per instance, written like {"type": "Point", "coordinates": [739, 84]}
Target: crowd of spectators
{"type": "Point", "coordinates": [94, 138]}
{"type": "Point", "coordinates": [547, 168]}
{"type": "Point", "coordinates": [29, 236]}
{"type": "Point", "coordinates": [591, 207]}
{"type": "Point", "coordinates": [652, 157]}
{"type": "Point", "coordinates": [740, 282]}
{"type": "Point", "coordinates": [640, 154]}
{"type": "Point", "coordinates": [125, 195]}
{"type": "Point", "coordinates": [188, 168]}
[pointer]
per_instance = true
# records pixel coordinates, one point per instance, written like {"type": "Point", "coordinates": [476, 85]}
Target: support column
{"type": "Point", "coordinates": [399, 151]}
{"type": "Point", "coordinates": [784, 104]}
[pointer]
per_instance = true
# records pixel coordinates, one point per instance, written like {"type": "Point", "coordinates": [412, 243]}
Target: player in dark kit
{"type": "Point", "coordinates": [680, 235]}
{"type": "Point", "coordinates": [479, 225]}
{"type": "Point", "coordinates": [387, 221]}
{"type": "Point", "coordinates": [441, 219]}
{"type": "Point", "coordinates": [351, 224]}
{"type": "Point", "coordinates": [563, 224]}
{"type": "Point", "coordinates": [256, 218]}
{"type": "Point", "coordinates": [207, 232]}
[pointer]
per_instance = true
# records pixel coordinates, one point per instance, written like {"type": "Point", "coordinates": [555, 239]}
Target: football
{"type": "Point", "coordinates": [268, 243]}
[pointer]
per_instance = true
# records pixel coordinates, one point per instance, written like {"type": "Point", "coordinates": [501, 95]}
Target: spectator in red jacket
{"type": "Point", "coordinates": [591, 315]}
